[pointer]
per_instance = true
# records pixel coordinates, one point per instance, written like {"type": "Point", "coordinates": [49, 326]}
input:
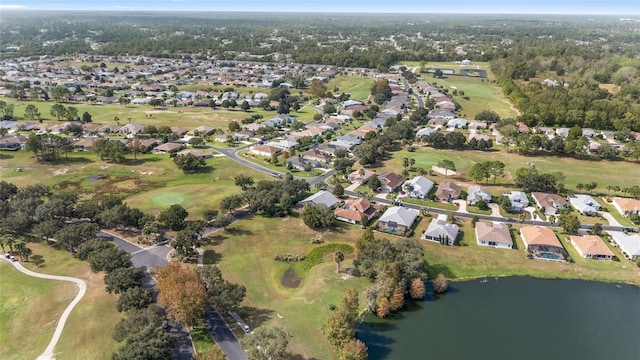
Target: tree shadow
{"type": "Point", "coordinates": [211, 257]}
{"type": "Point", "coordinates": [214, 240]}
{"type": "Point", "coordinates": [6, 157]}
{"type": "Point", "coordinates": [298, 357]}
{"type": "Point", "coordinates": [142, 161]}
{"type": "Point", "coordinates": [238, 231]}
{"type": "Point", "coordinates": [371, 333]}
{"type": "Point", "coordinates": [73, 160]}
{"type": "Point", "coordinates": [434, 269]}
{"type": "Point", "coordinates": [255, 317]}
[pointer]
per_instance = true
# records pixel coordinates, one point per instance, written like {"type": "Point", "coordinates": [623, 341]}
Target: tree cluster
{"type": "Point", "coordinates": [340, 328]}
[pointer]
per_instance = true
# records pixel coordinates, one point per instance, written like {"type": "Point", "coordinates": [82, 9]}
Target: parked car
{"type": "Point", "coordinates": [7, 256]}
{"type": "Point", "coordinates": [13, 258]}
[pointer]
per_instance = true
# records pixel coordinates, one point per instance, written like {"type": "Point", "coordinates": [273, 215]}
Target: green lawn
{"type": "Point", "coordinates": [264, 162]}
{"type": "Point", "coordinates": [88, 331]}
{"type": "Point", "coordinates": [247, 250]}
{"type": "Point", "coordinates": [358, 86]}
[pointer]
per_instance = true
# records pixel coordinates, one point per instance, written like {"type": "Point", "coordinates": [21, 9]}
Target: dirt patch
{"type": "Point", "coordinates": [290, 279]}
{"type": "Point", "coordinates": [61, 171]}
{"type": "Point", "coordinates": [125, 185]}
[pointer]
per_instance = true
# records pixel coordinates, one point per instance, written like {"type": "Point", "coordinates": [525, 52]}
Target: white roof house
{"type": "Point", "coordinates": [441, 232]}
{"type": "Point", "coordinates": [418, 187]}
{"type": "Point", "coordinates": [457, 123]}
{"type": "Point", "coordinates": [425, 132]}
{"type": "Point", "coordinates": [585, 204]}
{"type": "Point", "coordinates": [518, 199]}
{"type": "Point", "coordinates": [629, 244]}
{"type": "Point", "coordinates": [321, 197]}
{"type": "Point", "coordinates": [283, 144]}
{"type": "Point", "coordinates": [477, 193]}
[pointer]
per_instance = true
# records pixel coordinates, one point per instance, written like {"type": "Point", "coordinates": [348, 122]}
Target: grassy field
{"type": "Point", "coordinates": [247, 250]}
{"type": "Point", "coordinates": [358, 86]}
{"type": "Point", "coordinates": [88, 332]}
{"type": "Point", "coordinates": [264, 162]}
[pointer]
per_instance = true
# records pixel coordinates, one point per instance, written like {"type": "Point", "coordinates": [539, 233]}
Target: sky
{"type": "Point", "coordinates": [595, 7]}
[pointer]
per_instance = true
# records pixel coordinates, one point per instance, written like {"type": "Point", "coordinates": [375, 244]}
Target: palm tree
{"type": "Point", "coordinates": [23, 251]}
{"type": "Point", "coordinates": [580, 186]}
{"type": "Point", "coordinates": [339, 258]}
{"type": "Point", "coordinates": [405, 163]}
{"type": "Point", "coordinates": [8, 239]}
{"type": "Point", "coordinates": [609, 187]}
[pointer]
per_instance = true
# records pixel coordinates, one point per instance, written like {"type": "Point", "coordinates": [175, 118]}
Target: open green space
{"type": "Point", "coordinates": [358, 86]}
{"type": "Point", "coordinates": [247, 253]}
{"type": "Point", "coordinates": [479, 94]}
{"type": "Point", "coordinates": [88, 331]}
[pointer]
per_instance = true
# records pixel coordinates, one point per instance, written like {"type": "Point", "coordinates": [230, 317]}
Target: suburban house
{"type": "Point", "coordinates": [167, 148]}
{"type": "Point", "coordinates": [441, 232]}
{"type": "Point", "coordinates": [131, 129]}
{"type": "Point", "coordinates": [542, 243]}
{"type": "Point", "coordinates": [197, 153]}
{"type": "Point", "coordinates": [361, 177]}
{"type": "Point", "coordinates": [316, 155]}
{"type": "Point", "coordinates": [424, 132]}
{"type": "Point", "coordinates": [549, 203]}
{"type": "Point", "coordinates": [283, 144]}
{"type": "Point", "coordinates": [493, 234]}
{"type": "Point", "coordinates": [202, 130]}
{"type": "Point", "coordinates": [14, 142]}
{"type": "Point", "coordinates": [626, 206]}
{"type": "Point", "coordinates": [265, 150]}
{"type": "Point", "coordinates": [397, 220]}
{"type": "Point", "coordinates": [82, 144]}
{"type": "Point", "coordinates": [418, 187]}
{"type": "Point", "coordinates": [353, 211]}
{"type": "Point", "coordinates": [448, 191]}
{"type": "Point", "coordinates": [457, 123]}
{"type": "Point", "coordinates": [591, 247]}
{"type": "Point", "coordinates": [477, 193]}
{"type": "Point", "coordinates": [585, 204]}
{"type": "Point", "coordinates": [628, 244]}
{"type": "Point", "coordinates": [519, 200]}
{"type": "Point", "coordinates": [390, 181]}
{"type": "Point", "coordinates": [321, 197]}
{"type": "Point", "coordinates": [243, 134]}
{"type": "Point", "coordinates": [300, 163]}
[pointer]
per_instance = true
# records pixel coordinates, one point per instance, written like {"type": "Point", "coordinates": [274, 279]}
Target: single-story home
{"type": "Point", "coordinates": [265, 150]}
{"type": "Point", "coordinates": [519, 200]}
{"type": "Point", "coordinates": [131, 129]}
{"type": "Point", "coordinates": [418, 187]}
{"type": "Point", "coordinates": [585, 204]}
{"type": "Point", "coordinates": [441, 232]}
{"type": "Point", "coordinates": [14, 142]}
{"type": "Point", "coordinates": [448, 191]}
{"type": "Point", "coordinates": [167, 148]}
{"type": "Point", "coordinates": [316, 155]}
{"type": "Point", "coordinates": [592, 247]}
{"type": "Point", "coordinates": [300, 163]}
{"type": "Point", "coordinates": [424, 132]}
{"type": "Point", "coordinates": [321, 197]}
{"type": "Point", "coordinates": [283, 144]}
{"type": "Point", "coordinates": [626, 206]}
{"type": "Point", "coordinates": [477, 193]}
{"type": "Point", "coordinates": [493, 234]}
{"type": "Point", "coordinates": [354, 210]}
{"type": "Point", "coordinates": [360, 176]}
{"type": "Point", "coordinates": [197, 153]}
{"type": "Point", "coordinates": [397, 220]}
{"type": "Point", "coordinates": [549, 203]}
{"type": "Point", "coordinates": [203, 130]}
{"type": "Point", "coordinates": [390, 181]}
{"type": "Point", "coordinates": [457, 123]}
{"type": "Point", "coordinates": [542, 243]}
{"type": "Point", "coordinates": [628, 244]}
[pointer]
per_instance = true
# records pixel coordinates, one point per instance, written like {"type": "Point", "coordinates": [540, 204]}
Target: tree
{"type": "Point", "coordinates": [341, 325]}
{"type": "Point", "coordinates": [318, 216]}
{"type": "Point", "coordinates": [60, 93]}
{"type": "Point", "coordinates": [22, 250]}
{"type": "Point", "coordinates": [489, 116]}
{"type": "Point", "coordinates": [243, 181]}
{"type": "Point", "coordinates": [156, 102]}
{"type": "Point", "coordinates": [223, 220]}
{"type": "Point", "coordinates": [381, 91]}
{"type": "Point", "coordinates": [245, 106]}
{"type": "Point", "coordinates": [478, 171]}
{"type": "Point", "coordinates": [37, 260]}
{"type": "Point", "coordinates": [417, 289]}
{"type": "Point", "coordinates": [122, 279]}
{"type": "Point", "coordinates": [143, 337]}
{"type": "Point", "coordinates": [182, 293]}
{"type": "Point", "coordinates": [569, 222]}
{"type": "Point", "coordinates": [596, 229]}
{"type": "Point", "coordinates": [58, 110]}
{"type": "Point", "coordinates": [109, 260]}
{"type": "Point", "coordinates": [189, 163]}
{"type": "Point", "coordinates": [266, 344]}
{"type": "Point", "coordinates": [112, 151]}
{"type": "Point", "coordinates": [383, 308]}
{"type": "Point", "coordinates": [397, 299]}
{"type": "Point", "coordinates": [223, 295]}
{"type": "Point", "coordinates": [173, 217]}
{"type": "Point", "coordinates": [31, 112]}
{"type": "Point", "coordinates": [354, 349]}
{"type": "Point", "coordinates": [134, 298]}
{"type": "Point", "coordinates": [338, 190]}
{"type": "Point", "coordinates": [365, 238]}
{"type": "Point", "coordinates": [338, 257]}
{"type": "Point", "coordinates": [495, 169]}
{"type": "Point", "coordinates": [86, 117]}
{"type": "Point", "coordinates": [317, 89]}
{"type": "Point", "coordinates": [7, 190]}
{"type": "Point", "coordinates": [447, 165]}
{"type": "Point", "coordinates": [196, 141]}
{"type": "Point", "coordinates": [440, 284]}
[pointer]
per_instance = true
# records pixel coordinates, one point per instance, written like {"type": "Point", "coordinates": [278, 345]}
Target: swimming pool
{"type": "Point", "coordinates": [550, 256]}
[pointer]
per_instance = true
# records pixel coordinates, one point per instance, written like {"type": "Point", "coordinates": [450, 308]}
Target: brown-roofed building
{"type": "Point", "coordinates": [316, 155]}
{"type": "Point", "coordinates": [176, 130]}
{"type": "Point", "coordinates": [495, 235]}
{"type": "Point", "coordinates": [549, 203]}
{"type": "Point", "coordinates": [626, 206]}
{"type": "Point", "coordinates": [592, 247]}
{"type": "Point", "coordinates": [244, 134]}
{"type": "Point", "coordinates": [197, 153]}
{"type": "Point", "coordinates": [355, 210]}
{"type": "Point", "coordinates": [203, 130]}
{"type": "Point", "coordinates": [448, 191]}
{"type": "Point", "coordinates": [265, 150]}
{"type": "Point", "coordinates": [14, 142]}
{"type": "Point", "coordinates": [167, 148]}
{"type": "Point", "coordinates": [360, 177]}
{"type": "Point", "coordinates": [542, 243]}
{"type": "Point", "coordinates": [390, 181]}
{"type": "Point", "coordinates": [84, 144]}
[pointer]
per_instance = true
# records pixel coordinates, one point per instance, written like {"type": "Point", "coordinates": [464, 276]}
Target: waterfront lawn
{"type": "Point", "coordinates": [247, 249]}
{"type": "Point", "coordinates": [88, 333]}
{"type": "Point", "coordinates": [473, 261]}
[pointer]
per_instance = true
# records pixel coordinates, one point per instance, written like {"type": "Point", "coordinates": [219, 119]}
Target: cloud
{"type": "Point", "coordinates": [12, 7]}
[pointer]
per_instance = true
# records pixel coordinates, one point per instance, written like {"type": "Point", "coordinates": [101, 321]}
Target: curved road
{"type": "Point", "coordinates": [48, 352]}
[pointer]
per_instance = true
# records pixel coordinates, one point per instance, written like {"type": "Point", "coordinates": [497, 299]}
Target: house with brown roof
{"type": "Point", "coordinates": [355, 210]}
{"type": "Point", "coordinates": [265, 150]}
{"type": "Point", "coordinates": [494, 235]}
{"type": "Point", "coordinates": [202, 130]}
{"type": "Point", "coordinates": [244, 134]}
{"type": "Point", "coordinates": [316, 155]}
{"type": "Point", "coordinates": [549, 203]}
{"type": "Point", "coordinates": [84, 144]}
{"type": "Point", "coordinates": [448, 191]}
{"type": "Point", "coordinates": [131, 129]}
{"type": "Point", "coordinates": [542, 243]}
{"type": "Point", "coordinates": [146, 144]}
{"type": "Point", "coordinates": [167, 148]}
{"type": "Point", "coordinates": [390, 181]}
{"type": "Point", "coordinates": [591, 247]}
{"type": "Point", "coordinates": [626, 206]}
{"type": "Point", "coordinates": [197, 153]}
{"type": "Point", "coordinates": [360, 176]}
{"type": "Point", "coordinates": [12, 143]}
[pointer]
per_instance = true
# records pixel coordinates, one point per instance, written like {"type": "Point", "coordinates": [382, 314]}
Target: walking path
{"type": "Point", "coordinates": [48, 353]}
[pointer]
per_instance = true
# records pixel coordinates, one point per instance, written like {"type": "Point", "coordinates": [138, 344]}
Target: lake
{"type": "Point", "coordinates": [513, 318]}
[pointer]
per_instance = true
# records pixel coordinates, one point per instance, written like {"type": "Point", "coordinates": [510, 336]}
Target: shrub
{"type": "Point", "coordinates": [289, 257]}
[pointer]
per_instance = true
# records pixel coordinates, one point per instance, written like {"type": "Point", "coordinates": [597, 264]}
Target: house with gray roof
{"type": "Point", "coordinates": [440, 231]}
{"type": "Point", "coordinates": [321, 197]}
{"type": "Point", "coordinates": [418, 187]}
{"type": "Point", "coordinates": [424, 132]}
{"type": "Point", "coordinates": [397, 220]}
{"type": "Point", "coordinates": [477, 193]}
{"type": "Point", "coordinates": [628, 244]}
{"type": "Point", "coordinates": [494, 235]}
{"type": "Point", "coordinates": [585, 204]}
{"type": "Point", "coordinates": [457, 123]}
{"type": "Point", "coordinates": [519, 200]}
